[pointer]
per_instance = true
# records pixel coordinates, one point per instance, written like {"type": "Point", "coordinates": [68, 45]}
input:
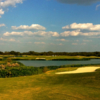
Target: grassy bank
{"type": "Point", "coordinates": [31, 57]}
{"type": "Point", "coordinates": [16, 69]}
{"type": "Point", "coordinates": [49, 86]}
{"type": "Point", "coordinates": [54, 58]}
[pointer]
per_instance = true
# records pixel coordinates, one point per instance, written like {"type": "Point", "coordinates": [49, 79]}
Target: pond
{"type": "Point", "coordinates": [39, 63]}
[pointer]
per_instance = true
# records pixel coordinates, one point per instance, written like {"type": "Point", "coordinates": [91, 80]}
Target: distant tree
{"type": "Point", "coordinates": [6, 53]}
{"type": "Point", "coordinates": [50, 53]}
{"type": "Point", "coordinates": [1, 52]}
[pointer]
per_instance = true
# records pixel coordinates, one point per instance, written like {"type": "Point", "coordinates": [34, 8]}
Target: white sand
{"type": "Point", "coordinates": [40, 58]}
{"type": "Point", "coordinates": [80, 70]}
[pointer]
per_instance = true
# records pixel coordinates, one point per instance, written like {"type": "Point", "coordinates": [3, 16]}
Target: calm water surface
{"type": "Point", "coordinates": [57, 63]}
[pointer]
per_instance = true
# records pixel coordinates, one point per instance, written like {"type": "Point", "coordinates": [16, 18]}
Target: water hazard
{"type": "Point", "coordinates": [57, 63]}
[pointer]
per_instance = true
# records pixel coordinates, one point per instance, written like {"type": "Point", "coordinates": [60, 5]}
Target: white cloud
{"type": "Point", "coordinates": [70, 33]}
{"type": "Point", "coordinates": [77, 33]}
{"type": "Point", "coordinates": [83, 43]}
{"type": "Point", "coordinates": [13, 33]}
{"type": "Point", "coordinates": [39, 33]}
{"type": "Point", "coordinates": [90, 33]}
{"type": "Point", "coordinates": [12, 40]}
{"type": "Point", "coordinates": [6, 3]}
{"type": "Point", "coordinates": [26, 27]}
{"type": "Point", "coordinates": [83, 26]}
{"type": "Point", "coordinates": [3, 39]}
{"type": "Point", "coordinates": [2, 25]}
{"type": "Point", "coordinates": [44, 33]}
{"type": "Point", "coordinates": [97, 6]}
{"type": "Point", "coordinates": [82, 29]}
{"type": "Point", "coordinates": [79, 2]}
{"type": "Point", "coordinates": [87, 40]}
{"type": "Point", "coordinates": [61, 40]}
{"type": "Point", "coordinates": [1, 12]}
{"type": "Point", "coordinates": [74, 44]}
{"type": "Point", "coordinates": [60, 44]}
{"type": "Point", "coordinates": [39, 42]}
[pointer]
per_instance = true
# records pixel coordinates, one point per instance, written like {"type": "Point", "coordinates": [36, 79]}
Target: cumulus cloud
{"type": "Point", "coordinates": [13, 33]}
{"type": "Point", "coordinates": [26, 27]}
{"type": "Point", "coordinates": [2, 25]}
{"type": "Point", "coordinates": [78, 33]}
{"type": "Point", "coordinates": [44, 33]}
{"type": "Point", "coordinates": [90, 33]}
{"type": "Point", "coordinates": [39, 42]}
{"type": "Point", "coordinates": [70, 33]}
{"type": "Point", "coordinates": [6, 3]}
{"type": "Point", "coordinates": [3, 39]}
{"type": "Point", "coordinates": [74, 44]}
{"type": "Point", "coordinates": [83, 26]}
{"type": "Point", "coordinates": [39, 33]}
{"type": "Point", "coordinates": [82, 29]}
{"type": "Point", "coordinates": [87, 40]}
{"type": "Point", "coordinates": [12, 40]}
{"type": "Point", "coordinates": [61, 40]}
{"type": "Point", "coordinates": [79, 2]}
{"type": "Point", "coordinates": [1, 12]}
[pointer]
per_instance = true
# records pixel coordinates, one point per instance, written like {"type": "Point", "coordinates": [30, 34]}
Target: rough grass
{"type": "Point", "coordinates": [2, 62]}
{"type": "Point", "coordinates": [85, 86]}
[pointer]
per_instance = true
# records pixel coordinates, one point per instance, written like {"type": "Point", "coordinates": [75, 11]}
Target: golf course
{"type": "Point", "coordinates": [51, 86]}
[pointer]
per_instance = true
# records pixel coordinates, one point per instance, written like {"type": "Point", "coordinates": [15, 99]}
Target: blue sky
{"type": "Point", "coordinates": [50, 25]}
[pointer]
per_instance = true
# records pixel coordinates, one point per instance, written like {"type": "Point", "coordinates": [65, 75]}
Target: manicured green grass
{"type": "Point", "coordinates": [49, 86]}
{"type": "Point", "coordinates": [32, 57]}
{"type": "Point", "coordinates": [29, 57]}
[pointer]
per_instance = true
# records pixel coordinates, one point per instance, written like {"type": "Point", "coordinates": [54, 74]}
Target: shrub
{"type": "Point", "coordinates": [9, 60]}
{"type": "Point", "coordinates": [45, 69]}
{"type": "Point", "coordinates": [2, 66]}
{"type": "Point", "coordinates": [12, 65]}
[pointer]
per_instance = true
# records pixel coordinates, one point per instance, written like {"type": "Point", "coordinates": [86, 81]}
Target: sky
{"type": "Point", "coordinates": [50, 25]}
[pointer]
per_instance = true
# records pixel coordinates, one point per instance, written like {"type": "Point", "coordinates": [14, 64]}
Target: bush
{"type": "Point", "coordinates": [45, 69]}
{"type": "Point", "coordinates": [9, 60]}
{"type": "Point", "coordinates": [15, 70]}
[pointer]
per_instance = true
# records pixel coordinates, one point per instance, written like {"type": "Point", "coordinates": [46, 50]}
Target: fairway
{"type": "Point", "coordinates": [49, 86]}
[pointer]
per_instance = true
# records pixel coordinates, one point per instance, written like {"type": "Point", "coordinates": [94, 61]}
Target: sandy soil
{"type": "Point", "coordinates": [40, 58]}
{"type": "Point", "coordinates": [80, 70]}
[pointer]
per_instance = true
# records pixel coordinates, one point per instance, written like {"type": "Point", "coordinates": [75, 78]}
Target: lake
{"type": "Point", "coordinates": [37, 63]}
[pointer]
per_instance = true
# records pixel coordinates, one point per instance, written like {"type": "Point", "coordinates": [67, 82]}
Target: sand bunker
{"type": "Point", "coordinates": [80, 70]}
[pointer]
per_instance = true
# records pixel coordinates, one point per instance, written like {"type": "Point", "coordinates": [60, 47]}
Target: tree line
{"type": "Point", "coordinates": [50, 53]}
